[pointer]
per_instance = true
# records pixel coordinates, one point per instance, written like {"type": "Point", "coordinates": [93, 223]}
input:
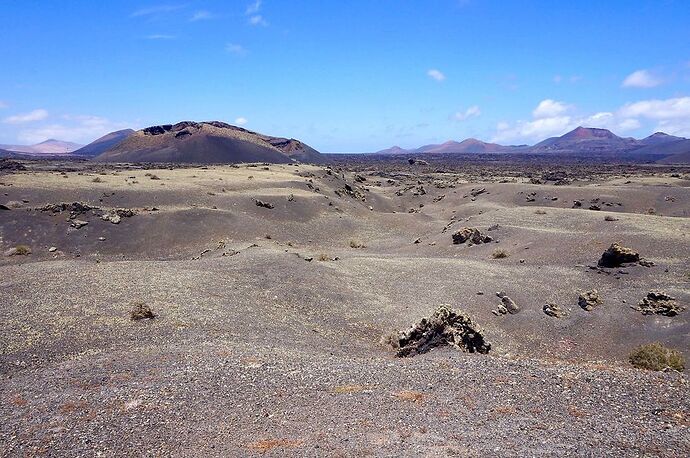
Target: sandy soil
{"type": "Point", "coordinates": [269, 326]}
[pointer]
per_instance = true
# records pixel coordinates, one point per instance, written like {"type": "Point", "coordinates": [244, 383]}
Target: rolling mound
{"type": "Point", "coordinates": [103, 144]}
{"type": "Point", "coordinates": [207, 142]}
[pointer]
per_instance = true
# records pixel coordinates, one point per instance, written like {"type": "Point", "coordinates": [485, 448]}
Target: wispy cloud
{"type": "Point", "coordinates": [436, 74]}
{"type": "Point", "coordinates": [241, 121]}
{"type": "Point", "coordinates": [642, 79]}
{"type": "Point", "coordinates": [155, 10]}
{"type": "Point", "coordinates": [35, 115]}
{"type": "Point", "coordinates": [252, 12]}
{"type": "Point", "coordinates": [253, 8]}
{"type": "Point", "coordinates": [82, 129]}
{"type": "Point", "coordinates": [549, 108]}
{"type": "Point", "coordinates": [570, 79]}
{"type": "Point", "coordinates": [160, 37]}
{"type": "Point", "coordinates": [3, 105]}
{"type": "Point", "coordinates": [471, 112]}
{"type": "Point", "coordinates": [201, 15]}
{"type": "Point", "coordinates": [258, 20]}
{"type": "Point", "coordinates": [234, 48]}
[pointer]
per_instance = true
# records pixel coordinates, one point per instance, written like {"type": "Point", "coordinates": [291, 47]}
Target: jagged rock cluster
{"type": "Point", "coordinates": [444, 327]}
{"type": "Point", "coordinates": [471, 235]}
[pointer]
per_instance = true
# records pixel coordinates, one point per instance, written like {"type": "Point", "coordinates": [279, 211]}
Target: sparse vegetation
{"type": "Point", "coordinates": [411, 396]}
{"type": "Point", "coordinates": [22, 250]}
{"type": "Point", "coordinates": [97, 180]}
{"type": "Point", "coordinates": [324, 257]}
{"type": "Point", "coordinates": [141, 311]}
{"type": "Point", "coordinates": [610, 218]}
{"type": "Point", "coordinates": [499, 253]}
{"type": "Point", "coordinates": [540, 212]}
{"type": "Point", "coordinates": [657, 357]}
{"type": "Point", "coordinates": [357, 244]}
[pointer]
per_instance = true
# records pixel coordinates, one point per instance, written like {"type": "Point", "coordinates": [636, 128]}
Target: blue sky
{"type": "Point", "coordinates": [346, 76]}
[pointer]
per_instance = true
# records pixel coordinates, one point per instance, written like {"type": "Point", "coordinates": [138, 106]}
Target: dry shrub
{"type": "Point", "coordinates": [97, 180]}
{"type": "Point", "coordinates": [540, 212]}
{"type": "Point", "coordinates": [657, 357]}
{"type": "Point", "coordinates": [357, 244]}
{"type": "Point", "coordinates": [411, 396]}
{"type": "Point", "coordinates": [22, 250]}
{"type": "Point", "coordinates": [499, 253]}
{"type": "Point", "coordinates": [265, 445]}
{"type": "Point", "coordinates": [141, 311]}
{"type": "Point", "coordinates": [346, 389]}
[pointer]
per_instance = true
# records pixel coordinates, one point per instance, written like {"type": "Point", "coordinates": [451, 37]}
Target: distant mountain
{"type": "Point", "coordinates": [104, 143]}
{"type": "Point", "coordinates": [659, 138]}
{"type": "Point", "coordinates": [586, 141]}
{"type": "Point", "coordinates": [674, 152]}
{"type": "Point", "coordinates": [394, 150]}
{"type": "Point", "coordinates": [49, 147]}
{"type": "Point", "coordinates": [207, 142]}
{"type": "Point", "coordinates": [581, 141]}
{"type": "Point", "coordinates": [470, 145]}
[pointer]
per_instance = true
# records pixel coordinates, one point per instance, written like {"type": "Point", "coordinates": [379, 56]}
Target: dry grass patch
{"type": "Point", "coordinates": [347, 389]}
{"type": "Point", "coordinates": [499, 253]}
{"type": "Point", "coordinates": [657, 357]}
{"type": "Point", "coordinates": [410, 396]}
{"type": "Point", "coordinates": [540, 212]}
{"type": "Point", "coordinates": [264, 446]}
{"type": "Point", "coordinates": [357, 244]}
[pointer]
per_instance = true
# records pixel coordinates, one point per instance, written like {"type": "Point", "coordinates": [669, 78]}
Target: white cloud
{"type": "Point", "coordinates": [436, 74]}
{"type": "Point", "coordinates": [671, 115]}
{"type": "Point", "coordinates": [155, 10]}
{"type": "Point", "coordinates": [252, 12]}
{"type": "Point", "coordinates": [241, 121]}
{"type": "Point", "coordinates": [549, 108]}
{"type": "Point", "coordinates": [81, 129]}
{"type": "Point", "coordinates": [552, 118]}
{"type": "Point", "coordinates": [258, 20]}
{"type": "Point", "coordinates": [35, 115]}
{"type": "Point", "coordinates": [201, 15]}
{"type": "Point", "coordinates": [641, 79]}
{"type": "Point", "coordinates": [253, 7]}
{"type": "Point", "coordinates": [234, 48]}
{"type": "Point", "coordinates": [676, 108]}
{"type": "Point", "coordinates": [471, 112]}
{"type": "Point", "coordinates": [159, 36]}
{"type": "Point", "coordinates": [532, 131]}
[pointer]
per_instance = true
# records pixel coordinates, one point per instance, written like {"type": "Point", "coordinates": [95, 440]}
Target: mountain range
{"type": "Point", "coordinates": [50, 147]}
{"type": "Point", "coordinates": [582, 141]}
{"type": "Point", "coordinates": [219, 142]}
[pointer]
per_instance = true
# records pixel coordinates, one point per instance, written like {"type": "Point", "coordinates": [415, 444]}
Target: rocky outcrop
{"type": "Point", "coordinates": [617, 255]}
{"type": "Point", "coordinates": [589, 299]}
{"type": "Point", "coordinates": [445, 327]}
{"type": "Point", "coordinates": [554, 310]}
{"type": "Point", "coordinates": [506, 306]}
{"type": "Point", "coordinates": [471, 235]}
{"type": "Point", "coordinates": [659, 303]}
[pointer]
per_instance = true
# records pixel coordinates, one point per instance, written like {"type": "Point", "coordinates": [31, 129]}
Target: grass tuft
{"type": "Point", "coordinates": [657, 357]}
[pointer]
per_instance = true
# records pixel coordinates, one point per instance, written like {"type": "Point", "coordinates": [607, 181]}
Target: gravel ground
{"type": "Point", "coordinates": [269, 326]}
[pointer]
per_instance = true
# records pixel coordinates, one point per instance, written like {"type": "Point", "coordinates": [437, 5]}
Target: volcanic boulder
{"type": "Point", "coordinates": [471, 235]}
{"type": "Point", "coordinates": [589, 299]}
{"type": "Point", "coordinates": [617, 255]}
{"type": "Point", "coordinates": [444, 327]}
{"type": "Point", "coordinates": [659, 303]}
